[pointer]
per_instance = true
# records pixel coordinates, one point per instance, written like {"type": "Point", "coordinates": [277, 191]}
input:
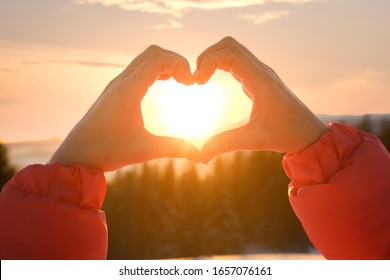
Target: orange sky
{"type": "Point", "coordinates": [57, 56]}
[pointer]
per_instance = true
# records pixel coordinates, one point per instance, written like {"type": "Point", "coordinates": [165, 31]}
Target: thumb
{"type": "Point", "coordinates": [231, 140]}
{"type": "Point", "coordinates": [170, 147]}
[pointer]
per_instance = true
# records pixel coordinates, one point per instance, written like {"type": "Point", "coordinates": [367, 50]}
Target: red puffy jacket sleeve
{"type": "Point", "coordinates": [53, 212]}
{"type": "Point", "coordinates": [340, 191]}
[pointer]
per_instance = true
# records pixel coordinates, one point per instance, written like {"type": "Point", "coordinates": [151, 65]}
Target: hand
{"type": "Point", "coordinates": [278, 121]}
{"type": "Point", "coordinates": [112, 133]}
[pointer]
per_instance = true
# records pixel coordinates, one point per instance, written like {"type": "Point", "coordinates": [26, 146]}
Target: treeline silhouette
{"type": "Point", "coordinates": [6, 170]}
{"type": "Point", "coordinates": [240, 207]}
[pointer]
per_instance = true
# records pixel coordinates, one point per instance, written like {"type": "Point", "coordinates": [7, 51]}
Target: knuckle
{"type": "Point", "coordinates": [153, 48]}
{"type": "Point", "coordinates": [235, 50]}
{"type": "Point", "coordinates": [229, 40]}
{"type": "Point", "coordinates": [156, 56]}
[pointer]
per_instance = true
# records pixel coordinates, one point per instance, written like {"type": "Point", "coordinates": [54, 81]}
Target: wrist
{"type": "Point", "coordinates": [310, 132]}
{"type": "Point", "coordinates": [70, 156]}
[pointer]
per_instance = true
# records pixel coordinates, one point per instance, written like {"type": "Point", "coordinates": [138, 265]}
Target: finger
{"type": "Point", "coordinates": [137, 61]}
{"type": "Point", "coordinates": [164, 65]}
{"type": "Point", "coordinates": [228, 141]}
{"type": "Point", "coordinates": [217, 60]}
{"type": "Point", "coordinates": [220, 45]}
{"type": "Point", "coordinates": [169, 147]}
{"type": "Point", "coordinates": [159, 64]}
{"type": "Point", "coordinates": [229, 55]}
{"type": "Point", "coordinates": [229, 59]}
{"type": "Point", "coordinates": [247, 93]}
{"type": "Point", "coordinates": [164, 77]}
{"type": "Point", "coordinates": [142, 57]}
{"type": "Point", "coordinates": [238, 79]}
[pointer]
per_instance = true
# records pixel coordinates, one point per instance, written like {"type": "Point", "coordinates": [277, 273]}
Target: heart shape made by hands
{"type": "Point", "coordinates": [196, 112]}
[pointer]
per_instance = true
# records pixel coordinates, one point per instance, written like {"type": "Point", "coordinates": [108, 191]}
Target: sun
{"type": "Point", "coordinates": [189, 112]}
{"type": "Point", "coordinates": [193, 113]}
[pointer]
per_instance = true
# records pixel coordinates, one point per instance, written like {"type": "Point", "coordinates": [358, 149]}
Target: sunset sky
{"type": "Point", "coordinates": [56, 56]}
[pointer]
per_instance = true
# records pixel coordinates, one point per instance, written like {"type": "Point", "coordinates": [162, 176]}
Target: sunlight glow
{"type": "Point", "coordinates": [195, 112]}
{"type": "Point", "coordinates": [188, 112]}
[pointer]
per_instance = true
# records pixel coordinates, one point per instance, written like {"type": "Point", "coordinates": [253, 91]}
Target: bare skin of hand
{"type": "Point", "coordinates": [279, 121]}
{"type": "Point", "coordinates": [112, 133]}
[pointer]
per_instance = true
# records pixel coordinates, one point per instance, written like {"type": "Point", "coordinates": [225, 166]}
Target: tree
{"type": "Point", "coordinates": [190, 199]}
{"type": "Point", "coordinates": [365, 124]}
{"type": "Point", "coordinates": [384, 133]}
{"type": "Point", "coordinates": [6, 170]}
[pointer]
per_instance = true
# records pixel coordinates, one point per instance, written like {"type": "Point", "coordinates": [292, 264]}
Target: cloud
{"type": "Point", "coordinates": [171, 24]}
{"type": "Point", "coordinates": [180, 7]}
{"type": "Point", "coordinates": [88, 63]}
{"type": "Point", "coordinates": [8, 70]}
{"type": "Point", "coordinates": [31, 62]}
{"type": "Point", "coordinates": [264, 17]}
{"type": "Point", "coordinates": [176, 9]}
{"type": "Point", "coordinates": [5, 101]}
{"type": "Point", "coordinates": [76, 62]}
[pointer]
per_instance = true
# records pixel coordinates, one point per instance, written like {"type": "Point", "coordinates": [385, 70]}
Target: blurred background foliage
{"type": "Point", "coordinates": [6, 169]}
{"type": "Point", "coordinates": [239, 207]}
